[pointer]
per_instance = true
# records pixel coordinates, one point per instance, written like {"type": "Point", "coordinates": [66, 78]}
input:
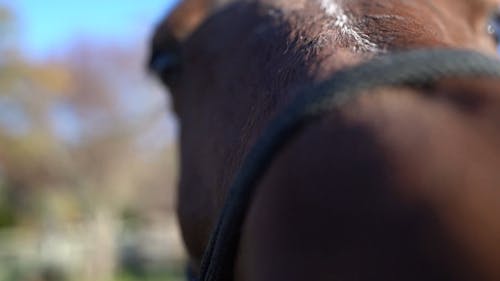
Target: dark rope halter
{"type": "Point", "coordinates": [412, 68]}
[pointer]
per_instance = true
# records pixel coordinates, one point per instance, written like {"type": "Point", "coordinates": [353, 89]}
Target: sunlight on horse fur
{"type": "Point", "coordinates": [347, 28]}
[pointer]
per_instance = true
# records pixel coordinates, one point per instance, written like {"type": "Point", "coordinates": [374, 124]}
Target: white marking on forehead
{"type": "Point", "coordinates": [347, 28]}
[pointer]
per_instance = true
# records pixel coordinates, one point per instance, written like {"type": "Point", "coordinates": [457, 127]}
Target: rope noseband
{"type": "Point", "coordinates": [412, 68]}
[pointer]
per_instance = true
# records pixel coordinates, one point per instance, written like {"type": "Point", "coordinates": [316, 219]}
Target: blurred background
{"type": "Point", "coordinates": [87, 144]}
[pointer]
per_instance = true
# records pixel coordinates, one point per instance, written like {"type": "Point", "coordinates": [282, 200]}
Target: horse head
{"type": "Point", "coordinates": [400, 184]}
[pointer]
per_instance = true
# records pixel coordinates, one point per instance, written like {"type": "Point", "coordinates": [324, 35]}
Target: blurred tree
{"type": "Point", "coordinates": [82, 142]}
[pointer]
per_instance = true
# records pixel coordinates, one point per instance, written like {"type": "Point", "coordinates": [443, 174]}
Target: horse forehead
{"type": "Point", "coordinates": [363, 26]}
{"type": "Point", "coordinates": [346, 26]}
{"type": "Point", "coordinates": [207, 8]}
{"type": "Point", "coordinates": [337, 13]}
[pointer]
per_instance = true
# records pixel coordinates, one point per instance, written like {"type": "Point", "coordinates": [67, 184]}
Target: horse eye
{"type": "Point", "coordinates": [165, 59]}
{"type": "Point", "coordinates": [494, 27]}
{"type": "Point", "coordinates": [164, 62]}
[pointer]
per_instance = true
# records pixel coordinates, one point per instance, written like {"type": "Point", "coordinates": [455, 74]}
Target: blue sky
{"type": "Point", "coordinates": [51, 25]}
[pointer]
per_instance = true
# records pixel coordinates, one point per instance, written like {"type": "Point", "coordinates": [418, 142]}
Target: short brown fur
{"type": "Point", "coordinates": [401, 184]}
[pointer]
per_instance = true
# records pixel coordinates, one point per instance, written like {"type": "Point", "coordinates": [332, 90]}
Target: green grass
{"type": "Point", "coordinates": [167, 275]}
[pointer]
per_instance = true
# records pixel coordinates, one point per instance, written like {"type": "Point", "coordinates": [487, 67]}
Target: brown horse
{"type": "Point", "coordinates": [401, 184]}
